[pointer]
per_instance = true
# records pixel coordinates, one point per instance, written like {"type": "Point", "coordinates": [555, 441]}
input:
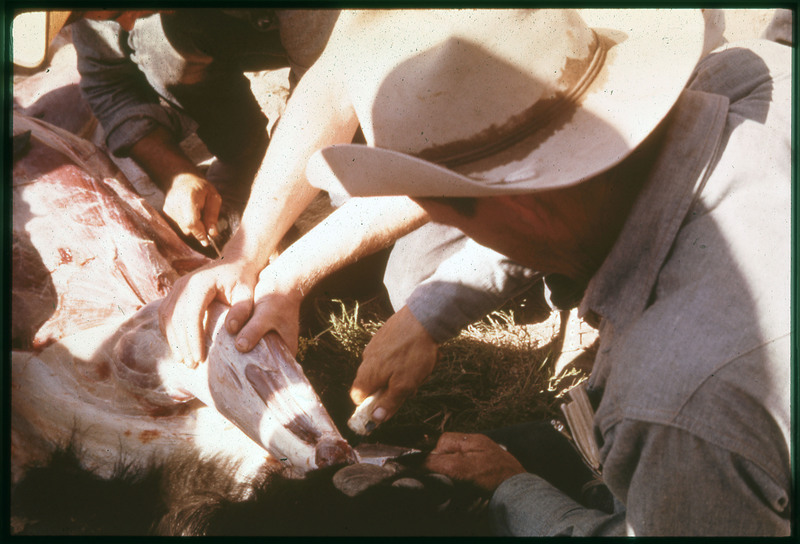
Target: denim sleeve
{"type": "Point", "coordinates": [115, 89]}
{"type": "Point", "coordinates": [527, 505]}
{"type": "Point", "coordinates": [465, 287]}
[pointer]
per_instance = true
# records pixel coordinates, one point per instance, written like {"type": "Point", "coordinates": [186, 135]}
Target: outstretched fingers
{"type": "Point", "coordinates": [475, 458]}
{"type": "Point", "coordinates": [462, 442]}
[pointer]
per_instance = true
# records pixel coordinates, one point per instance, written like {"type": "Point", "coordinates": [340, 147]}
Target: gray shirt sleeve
{"type": "Point", "coordinates": [465, 287]}
{"type": "Point", "coordinates": [651, 467]}
{"type": "Point", "coordinates": [527, 505]}
{"type": "Point", "coordinates": [116, 90]}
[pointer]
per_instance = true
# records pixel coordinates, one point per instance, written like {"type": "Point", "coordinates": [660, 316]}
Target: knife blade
{"type": "Point", "coordinates": [214, 245]}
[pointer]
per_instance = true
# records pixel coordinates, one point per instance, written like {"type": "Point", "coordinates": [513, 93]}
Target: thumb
{"type": "Point", "coordinates": [241, 301]}
{"type": "Point", "coordinates": [390, 402]}
{"type": "Point", "coordinates": [380, 406]}
{"type": "Point", "coordinates": [211, 211]}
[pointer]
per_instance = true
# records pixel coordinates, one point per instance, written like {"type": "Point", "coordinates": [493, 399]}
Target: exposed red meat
{"type": "Point", "coordinates": [106, 250]}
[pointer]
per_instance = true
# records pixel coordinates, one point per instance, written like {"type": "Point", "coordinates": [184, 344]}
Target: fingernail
{"type": "Point", "coordinates": [241, 344]}
{"type": "Point", "coordinates": [379, 414]}
{"type": "Point", "coordinates": [369, 426]}
{"type": "Point", "coordinates": [204, 243]}
{"type": "Point", "coordinates": [234, 324]}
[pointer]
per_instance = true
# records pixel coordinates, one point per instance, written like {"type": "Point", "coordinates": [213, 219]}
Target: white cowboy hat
{"type": "Point", "coordinates": [478, 103]}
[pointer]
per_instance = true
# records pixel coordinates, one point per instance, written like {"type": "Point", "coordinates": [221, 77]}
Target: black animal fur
{"type": "Point", "coordinates": [64, 499]}
{"type": "Point", "coordinates": [314, 507]}
{"type": "Point", "coordinates": [189, 496]}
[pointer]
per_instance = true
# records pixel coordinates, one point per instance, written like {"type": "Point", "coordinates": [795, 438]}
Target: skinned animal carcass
{"type": "Point", "coordinates": [77, 224]}
{"type": "Point", "coordinates": [91, 260]}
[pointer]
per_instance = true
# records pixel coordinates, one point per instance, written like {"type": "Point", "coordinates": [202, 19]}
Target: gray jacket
{"type": "Point", "coordinates": [694, 364]}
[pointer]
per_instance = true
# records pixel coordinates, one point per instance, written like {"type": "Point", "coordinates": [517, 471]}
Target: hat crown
{"type": "Point", "coordinates": [460, 79]}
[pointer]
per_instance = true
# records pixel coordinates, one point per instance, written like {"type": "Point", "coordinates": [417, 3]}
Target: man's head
{"type": "Point", "coordinates": [568, 231]}
{"type": "Point", "coordinates": [528, 121]}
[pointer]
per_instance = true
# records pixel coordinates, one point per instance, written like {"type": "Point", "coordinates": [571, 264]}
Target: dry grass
{"type": "Point", "coordinates": [497, 372]}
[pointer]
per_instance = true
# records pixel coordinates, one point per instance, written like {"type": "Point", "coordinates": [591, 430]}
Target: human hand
{"type": "Point", "coordinates": [475, 458]}
{"type": "Point", "coordinates": [193, 204]}
{"type": "Point", "coordinates": [276, 308]}
{"type": "Point", "coordinates": [398, 359]}
{"type": "Point", "coordinates": [182, 313]}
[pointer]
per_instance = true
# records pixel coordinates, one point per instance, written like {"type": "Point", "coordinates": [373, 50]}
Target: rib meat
{"type": "Point", "coordinates": [105, 249]}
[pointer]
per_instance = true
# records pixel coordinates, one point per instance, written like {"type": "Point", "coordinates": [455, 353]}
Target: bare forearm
{"type": "Point", "coordinates": [359, 228]}
{"type": "Point", "coordinates": [319, 114]}
{"type": "Point", "coordinates": [162, 158]}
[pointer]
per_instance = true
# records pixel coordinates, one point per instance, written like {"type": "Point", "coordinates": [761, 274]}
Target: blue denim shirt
{"type": "Point", "coordinates": [694, 362]}
{"type": "Point", "coordinates": [116, 90]}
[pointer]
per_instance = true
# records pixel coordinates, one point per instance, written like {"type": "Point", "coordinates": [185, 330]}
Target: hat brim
{"type": "Point", "coordinates": [651, 56]}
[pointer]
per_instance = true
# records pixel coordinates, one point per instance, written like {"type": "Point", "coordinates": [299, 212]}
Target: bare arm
{"type": "Point", "coordinates": [318, 114]}
{"type": "Point", "coordinates": [359, 228]}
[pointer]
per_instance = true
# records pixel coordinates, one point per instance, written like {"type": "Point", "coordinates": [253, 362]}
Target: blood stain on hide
{"type": "Point", "coordinates": [148, 435]}
{"type": "Point", "coordinates": [163, 282]}
{"type": "Point", "coordinates": [167, 411]}
{"type": "Point", "coordinates": [103, 371]}
{"type": "Point", "coordinates": [65, 255]}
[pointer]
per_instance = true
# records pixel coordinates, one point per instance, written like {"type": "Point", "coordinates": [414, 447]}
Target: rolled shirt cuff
{"type": "Point", "coordinates": [124, 131]}
{"type": "Point", "coordinates": [527, 505]}
{"type": "Point", "coordinates": [444, 304]}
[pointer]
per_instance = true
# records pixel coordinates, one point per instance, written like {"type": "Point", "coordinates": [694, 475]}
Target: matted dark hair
{"type": "Point", "coordinates": [191, 496]}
